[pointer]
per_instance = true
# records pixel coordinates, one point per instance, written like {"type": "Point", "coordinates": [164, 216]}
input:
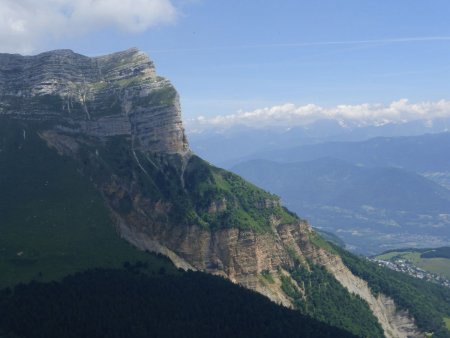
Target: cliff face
{"type": "Point", "coordinates": [117, 94]}
{"type": "Point", "coordinates": [242, 256]}
{"type": "Point", "coordinates": [246, 257]}
{"type": "Point", "coordinates": [122, 123]}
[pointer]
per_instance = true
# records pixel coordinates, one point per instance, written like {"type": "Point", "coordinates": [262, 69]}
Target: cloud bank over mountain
{"type": "Point", "coordinates": [24, 24]}
{"type": "Point", "coordinates": [289, 115]}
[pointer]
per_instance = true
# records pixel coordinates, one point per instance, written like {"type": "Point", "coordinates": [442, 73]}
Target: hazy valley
{"type": "Point", "coordinates": [375, 194]}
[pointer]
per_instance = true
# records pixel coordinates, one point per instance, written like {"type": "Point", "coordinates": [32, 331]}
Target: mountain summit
{"type": "Point", "coordinates": [119, 125]}
{"type": "Point", "coordinates": [112, 95]}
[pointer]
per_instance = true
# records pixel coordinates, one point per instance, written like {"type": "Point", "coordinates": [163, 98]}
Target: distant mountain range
{"type": "Point", "coordinates": [238, 143]}
{"type": "Point", "coordinates": [375, 193]}
{"type": "Point", "coordinates": [370, 208]}
{"type": "Point", "coordinates": [422, 153]}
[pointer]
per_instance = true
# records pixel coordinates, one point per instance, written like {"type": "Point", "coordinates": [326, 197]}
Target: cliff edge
{"type": "Point", "coordinates": [116, 94]}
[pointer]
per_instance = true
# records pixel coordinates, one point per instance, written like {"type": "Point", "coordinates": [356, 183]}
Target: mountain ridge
{"type": "Point", "coordinates": [240, 143]}
{"type": "Point", "coordinates": [415, 153]}
{"type": "Point", "coordinates": [165, 199]}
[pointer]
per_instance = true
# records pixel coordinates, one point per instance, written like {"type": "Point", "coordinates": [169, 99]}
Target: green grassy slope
{"type": "Point", "coordinates": [190, 189]}
{"type": "Point", "coordinates": [52, 220]}
{"type": "Point", "coordinates": [432, 260]}
{"type": "Point", "coordinates": [447, 322]}
{"type": "Point", "coordinates": [245, 202]}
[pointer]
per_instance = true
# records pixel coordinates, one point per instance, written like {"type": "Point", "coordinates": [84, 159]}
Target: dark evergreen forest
{"type": "Point", "coordinates": [130, 303]}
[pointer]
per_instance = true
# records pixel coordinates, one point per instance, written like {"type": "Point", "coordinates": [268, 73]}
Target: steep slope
{"type": "Point", "coordinates": [372, 208]}
{"type": "Point", "coordinates": [123, 132]}
{"type": "Point", "coordinates": [53, 222]}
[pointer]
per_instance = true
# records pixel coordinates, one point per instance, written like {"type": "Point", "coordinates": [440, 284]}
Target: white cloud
{"type": "Point", "coordinates": [288, 115]}
{"type": "Point", "coordinates": [24, 24]}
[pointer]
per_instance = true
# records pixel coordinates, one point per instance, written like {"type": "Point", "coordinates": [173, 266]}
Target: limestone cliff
{"type": "Point", "coordinates": [245, 256]}
{"type": "Point", "coordinates": [117, 94]}
{"type": "Point", "coordinates": [122, 123]}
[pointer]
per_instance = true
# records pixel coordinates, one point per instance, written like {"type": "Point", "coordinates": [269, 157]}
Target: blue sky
{"type": "Point", "coordinates": [226, 56]}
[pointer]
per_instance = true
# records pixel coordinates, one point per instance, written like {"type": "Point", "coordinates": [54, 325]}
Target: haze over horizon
{"type": "Point", "coordinates": [273, 61]}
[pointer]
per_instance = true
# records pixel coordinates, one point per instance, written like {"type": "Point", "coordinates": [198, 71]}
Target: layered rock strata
{"type": "Point", "coordinates": [117, 94]}
{"type": "Point", "coordinates": [244, 256]}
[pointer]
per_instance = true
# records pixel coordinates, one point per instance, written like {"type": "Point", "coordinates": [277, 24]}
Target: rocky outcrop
{"type": "Point", "coordinates": [244, 257]}
{"type": "Point", "coordinates": [395, 323]}
{"type": "Point", "coordinates": [218, 206]}
{"type": "Point", "coordinates": [239, 255]}
{"type": "Point", "coordinates": [117, 94]}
